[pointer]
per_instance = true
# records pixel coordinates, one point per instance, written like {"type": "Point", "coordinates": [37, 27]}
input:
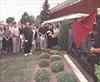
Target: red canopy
{"type": "Point", "coordinates": [82, 28]}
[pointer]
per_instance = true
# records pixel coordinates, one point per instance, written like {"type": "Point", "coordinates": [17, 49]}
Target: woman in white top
{"type": "Point", "coordinates": [16, 38]}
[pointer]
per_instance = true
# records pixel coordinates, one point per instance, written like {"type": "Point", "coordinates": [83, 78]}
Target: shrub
{"type": "Point", "coordinates": [42, 76]}
{"type": "Point", "coordinates": [66, 77]}
{"type": "Point", "coordinates": [63, 35]}
{"type": "Point", "coordinates": [97, 72]}
{"type": "Point", "coordinates": [57, 66]}
{"type": "Point", "coordinates": [55, 58]}
{"type": "Point", "coordinates": [54, 52]}
{"type": "Point", "coordinates": [56, 48]}
{"type": "Point", "coordinates": [44, 56]}
{"type": "Point", "coordinates": [43, 62]}
{"type": "Point", "coordinates": [46, 50]}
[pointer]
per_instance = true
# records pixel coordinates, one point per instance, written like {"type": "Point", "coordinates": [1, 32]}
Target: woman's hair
{"type": "Point", "coordinates": [6, 26]}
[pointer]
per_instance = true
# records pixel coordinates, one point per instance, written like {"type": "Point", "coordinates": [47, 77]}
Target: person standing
{"type": "Point", "coordinates": [50, 32]}
{"type": "Point", "coordinates": [21, 29]}
{"type": "Point", "coordinates": [28, 35]}
{"type": "Point", "coordinates": [55, 35]}
{"type": "Point", "coordinates": [42, 35]}
{"type": "Point", "coordinates": [15, 38]}
{"type": "Point", "coordinates": [1, 36]}
{"type": "Point", "coordinates": [11, 42]}
{"type": "Point", "coordinates": [33, 27]}
{"type": "Point", "coordinates": [6, 39]}
{"type": "Point", "coordinates": [37, 37]}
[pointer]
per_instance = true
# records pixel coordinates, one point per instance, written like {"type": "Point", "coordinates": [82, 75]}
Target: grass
{"type": "Point", "coordinates": [17, 68]}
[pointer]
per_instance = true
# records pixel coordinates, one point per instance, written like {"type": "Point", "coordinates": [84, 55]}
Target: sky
{"type": "Point", "coordinates": [15, 8]}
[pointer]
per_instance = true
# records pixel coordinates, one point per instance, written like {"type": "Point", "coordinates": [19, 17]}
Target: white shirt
{"type": "Point", "coordinates": [15, 31]}
{"type": "Point", "coordinates": [56, 30]}
{"type": "Point", "coordinates": [34, 34]}
{"type": "Point", "coordinates": [11, 29]}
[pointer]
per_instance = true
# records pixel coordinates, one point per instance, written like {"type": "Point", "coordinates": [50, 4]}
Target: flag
{"type": "Point", "coordinates": [81, 28]}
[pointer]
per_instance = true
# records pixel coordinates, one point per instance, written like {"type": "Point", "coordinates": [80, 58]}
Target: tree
{"type": "Point", "coordinates": [10, 20]}
{"type": "Point", "coordinates": [45, 12]}
{"type": "Point", "coordinates": [26, 18]}
{"type": "Point", "coordinates": [63, 35]}
{"type": "Point", "coordinates": [38, 19]}
{"type": "Point", "coordinates": [32, 19]}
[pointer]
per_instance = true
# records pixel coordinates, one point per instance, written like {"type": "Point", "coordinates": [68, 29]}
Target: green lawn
{"type": "Point", "coordinates": [17, 68]}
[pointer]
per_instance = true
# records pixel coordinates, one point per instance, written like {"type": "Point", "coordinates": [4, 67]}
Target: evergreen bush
{"type": "Point", "coordinates": [97, 72]}
{"type": "Point", "coordinates": [56, 48]}
{"type": "Point", "coordinates": [42, 76]}
{"type": "Point", "coordinates": [57, 66]}
{"type": "Point", "coordinates": [63, 35]}
{"type": "Point", "coordinates": [44, 62]}
{"type": "Point", "coordinates": [44, 56]}
{"type": "Point", "coordinates": [55, 58]}
{"type": "Point", "coordinates": [66, 77]}
{"type": "Point", "coordinates": [54, 52]}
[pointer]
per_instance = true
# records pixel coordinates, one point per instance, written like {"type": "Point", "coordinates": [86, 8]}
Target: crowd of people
{"type": "Point", "coordinates": [27, 37]}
